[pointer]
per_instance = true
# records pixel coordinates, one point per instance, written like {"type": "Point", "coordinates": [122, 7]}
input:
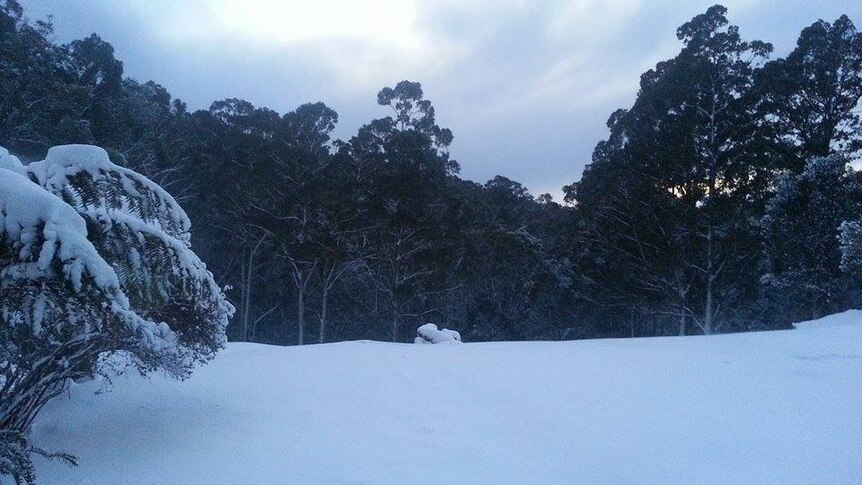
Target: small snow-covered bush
{"type": "Point", "coordinates": [95, 260]}
{"type": "Point", "coordinates": [430, 334]}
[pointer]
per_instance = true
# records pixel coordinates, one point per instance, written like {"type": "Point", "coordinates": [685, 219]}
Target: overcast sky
{"type": "Point", "coordinates": [526, 86]}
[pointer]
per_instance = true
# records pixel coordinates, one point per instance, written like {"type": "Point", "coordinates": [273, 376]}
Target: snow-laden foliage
{"type": "Point", "coordinates": [94, 259]}
{"type": "Point", "coordinates": [430, 334]}
{"type": "Point", "coordinates": [801, 229]}
{"type": "Point", "coordinates": [144, 234]}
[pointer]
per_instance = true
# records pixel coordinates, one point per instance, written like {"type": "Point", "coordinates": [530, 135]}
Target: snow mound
{"type": "Point", "coordinates": [83, 155]}
{"type": "Point", "coordinates": [850, 317]}
{"type": "Point", "coordinates": [430, 334]}
{"type": "Point", "coordinates": [10, 162]}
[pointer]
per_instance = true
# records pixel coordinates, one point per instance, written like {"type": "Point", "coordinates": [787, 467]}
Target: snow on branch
{"type": "Point", "coordinates": [95, 259]}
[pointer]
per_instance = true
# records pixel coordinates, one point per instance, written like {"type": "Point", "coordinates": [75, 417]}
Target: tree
{"type": "Point", "coordinates": [692, 135]}
{"type": "Point", "coordinates": [410, 164]}
{"type": "Point", "coordinates": [808, 103]}
{"type": "Point", "coordinates": [514, 285]}
{"type": "Point", "coordinates": [637, 243]}
{"type": "Point", "coordinates": [809, 99]}
{"type": "Point", "coordinates": [301, 211]}
{"type": "Point", "coordinates": [714, 74]}
{"type": "Point", "coordinates": [414, 113]}
{"type": "Point", "coordinates": [802, 227]}
{"type": "Point", "coordinates": [95, 260]}
{"type": "Point", "coordinates": [39, 104]}
{"type": "Point", "coordinates": [231, 174]}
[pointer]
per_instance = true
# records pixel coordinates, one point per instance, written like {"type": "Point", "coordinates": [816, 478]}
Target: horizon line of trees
{"type": "Point", "coordinates": [721, 201]}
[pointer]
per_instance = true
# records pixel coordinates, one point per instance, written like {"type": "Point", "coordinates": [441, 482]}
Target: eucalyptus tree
{"type": "Point", "coordinates": [810, 99]}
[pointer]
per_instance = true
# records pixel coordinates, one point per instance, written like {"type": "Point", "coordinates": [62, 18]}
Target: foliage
{"type": "Point", "coordinates": [15, 453]}
{"type": "Point", "coordinates": [681, 223]}
{"type": "Point", "coordinates": [95, 260]}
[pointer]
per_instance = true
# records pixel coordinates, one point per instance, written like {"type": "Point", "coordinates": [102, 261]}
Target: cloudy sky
{"type": "Point", "coordinates": [526, 86]}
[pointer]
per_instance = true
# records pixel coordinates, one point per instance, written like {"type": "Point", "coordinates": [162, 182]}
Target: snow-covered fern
{"type": "Point", "coordinates": [94, 259]}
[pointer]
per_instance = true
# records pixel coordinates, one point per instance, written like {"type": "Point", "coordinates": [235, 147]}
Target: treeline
{"type": "Point", "coordinates": [721, 201]}
{"type": "Point", "coordinates": [717, 200]}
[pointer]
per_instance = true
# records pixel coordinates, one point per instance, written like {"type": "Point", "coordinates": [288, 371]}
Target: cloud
{"type": "Point", "coordinates": [526, 86]}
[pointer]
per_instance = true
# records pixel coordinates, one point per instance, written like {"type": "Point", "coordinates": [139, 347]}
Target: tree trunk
{"type": "Point", "coordinates": [246, 311]}
{"type": "Point", "coordinates": [708, 316]}
{"type": "Point", "coordinates": [247, 270]}
{"type": "Point", "coordinates": [243, 287]}
{"type": "Point", "coordinates": [300, 311]}
{"type": "Point", "coordinates": [376, 287]}
{"type": "Point", "coordinates": [300, 280]}
{"type": "Point", "coordinates": [394, 321]}
{"type": "Point", "coordinates": [324, 299]}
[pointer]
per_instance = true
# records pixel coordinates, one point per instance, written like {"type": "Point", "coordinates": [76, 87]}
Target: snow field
{"type": "Point", "coordinates": [767, 408]}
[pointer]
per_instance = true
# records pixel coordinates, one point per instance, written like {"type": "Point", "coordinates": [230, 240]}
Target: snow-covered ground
{"type": "Point", "coordinates": [760, 408]}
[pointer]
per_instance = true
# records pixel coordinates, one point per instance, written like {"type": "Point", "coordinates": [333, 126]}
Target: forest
{"type": "Point", "coordinates": [723, 200]}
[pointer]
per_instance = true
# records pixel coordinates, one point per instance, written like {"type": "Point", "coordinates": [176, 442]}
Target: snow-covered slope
{"type": "Point", "coordinates": [765, 408]}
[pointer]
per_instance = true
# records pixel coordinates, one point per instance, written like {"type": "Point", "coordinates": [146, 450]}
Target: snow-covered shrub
{"type": "Point", "coordinates": [95, 260]}
{"type": "Point", "coordinates": [430, 334]}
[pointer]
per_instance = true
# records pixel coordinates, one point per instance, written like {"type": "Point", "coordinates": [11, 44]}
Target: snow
{"type": "Point", "coordinates": [430, 334]}
{"type": "Point", "coordinates": [42, 219]}
{"type": "Point", "coordinates": [850, 317]}
{"type": "Point", "coordinates": [43, 230]}
{"type": "Point", "coordinates": [780, 407]}
{"type": "Point", "coordinates": [9, 161]}
{"type": "Point", "coordinates": [64, 161]}
{"type": "Point", "coordinates": [29, 216]}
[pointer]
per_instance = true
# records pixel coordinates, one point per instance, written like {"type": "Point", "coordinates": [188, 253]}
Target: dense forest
{"type": "Point", "coordinates": [722, 200]}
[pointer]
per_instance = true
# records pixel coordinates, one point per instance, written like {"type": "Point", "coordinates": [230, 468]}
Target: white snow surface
{"type": "Point", "coordinates": [850, 317]}
{"type": "Point", "coordinates": [780, 407]}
